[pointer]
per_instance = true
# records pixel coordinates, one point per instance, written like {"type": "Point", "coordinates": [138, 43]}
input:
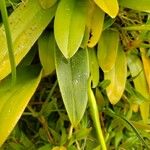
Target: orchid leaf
{"type": "Point", "coordinates": [110, 7]}
{"type": "Point", "coordinates": [26, 23]}
{"type": "Point", "coordinates": [139, 5]}
{"type": "Point", "coordinates": [72, 77]}
{"type": "Point", "coordinates": [15, 99]}
{"type": "Point", "coordinates": [46, 45]}
{"type": "Point", "coordinates": [107, 51]}
{"type": "Point", "coordinates": [69, 25]}
{"type": "Point", "coordinates": [136, 68]}
{"type": "Point", "coordinates": [94, 67]}
{"type": "Point", "coordinates": [96, 25]}
{"type": "Point", "coordinates": [117, 76]}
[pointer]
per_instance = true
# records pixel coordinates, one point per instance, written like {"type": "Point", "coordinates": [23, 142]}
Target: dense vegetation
{"type": "Point", "coordinates": [74, 74]}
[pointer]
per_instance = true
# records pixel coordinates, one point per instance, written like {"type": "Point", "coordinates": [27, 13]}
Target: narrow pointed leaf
{"type": "Point", "coordinates": [96, 26]}
{"type": "Point", "coordinates": [141, 5]}
{"type": "Point", "coordinates": [146, 66]}
{"type": "Point", "coordinates": [27, 23]}
{"type": "Point", "coordinates": [107, 49]}
{"type": "Point", "coordinates": [94, 67]}
{"type": "Point", "coordinates": [72, 77]}
{"type": "Point", "coordinates": [110, 7]}
{"type": "Point", "coordinates": [15, 99]}
{"type": "Point", "coordinates": [117, 76]}
{"type": "Point", "coordinates": [69, 25]}
{"type": "Point", "coordinates": [46, 45]}
{"type": "Point", "coordinates": [136, 69]}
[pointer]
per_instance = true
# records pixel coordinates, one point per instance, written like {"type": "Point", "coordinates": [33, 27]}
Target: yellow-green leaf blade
{"type": "Point", "coordinates": [117, 76]}
{"type": "Point", "coordinates": [96, 26]}
{"type": "Point", "coordinates": [107, 49]}
{"type": "Point", "coordinates": [141, 5]}
{"type": "Point", "coordinates": [46, 45]}
{"type": "Point", "coordinates": [146, 65]}
{"type": "Point", "coordinates": [72, 77]}
{"type": "Point", "coordinates": [47, 3]}
{"type": "Point", "coordinates": [136, 69]}
{"type": "Point", "coordinates": [94, 67]}
{"type": "Point", "coordinates": [27, 23]}
{"type": "Point", "coordinates": [15, 99]}
{"type": "Point", "coordinates": [69, 25]}
{"type": "Point", "coordinates": [108, 6]}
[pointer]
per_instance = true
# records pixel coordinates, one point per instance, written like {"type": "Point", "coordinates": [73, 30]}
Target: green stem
{"type": "Point", "coordinates": [95, 117]}
{"type": "Point", "coordinates": [9, 40]}
{"type": "Point", "coordinates": [70, 132]}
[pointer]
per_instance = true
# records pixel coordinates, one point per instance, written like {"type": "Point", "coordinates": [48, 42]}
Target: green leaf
{"type": "Point", "coordinates": [127, 124]}
{"type": "Point", "coordinates": [79, 135]}
{"type": "Point", "coordinates": [94, 67]}
{"type": "Point", "coordinates": [117, 76]}
{"type": "Point", "coordinates": [110, 7]}
{"type": "Point", "coordinates": [143, 27]}
{"type": "Point", "coordinates": [26, 23]}
{"type": "Point", "coordinates": [96, 26]}
{"type": "Point", "coordinates": [15, 99]}
{"type": "Point", "coordinates": [45, 4]}
{"type": "Point", "coordinates": [107, 51]}
{"type": "Point", "coordinates": [69, 25]}
{"type": "Point", "coordinates": [140, 5]}
{"type": "Point", "coordinates": [72, 77]}
{"type": "Point", "coordinates": [45, 147]}
{"type": "Point", "coordinates": [46, 45]}
{"type": "Point", "coordinates": [136, 68]}
{"type": "Point", "coordinates": [27, 60]}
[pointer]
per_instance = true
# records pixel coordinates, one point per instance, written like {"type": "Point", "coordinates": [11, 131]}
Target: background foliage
{"type": "Point", "coordinates": [75, 74]}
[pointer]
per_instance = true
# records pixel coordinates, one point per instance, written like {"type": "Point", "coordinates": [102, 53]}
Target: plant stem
{"type": "Point", "coordinates": [70, 132]}
{"type": "Point", "coordinates": [95, 117]}
{"type": "Point", "coordinates": [9, 40]}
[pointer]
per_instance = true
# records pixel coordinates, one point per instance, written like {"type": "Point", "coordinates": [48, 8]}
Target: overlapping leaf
{"type": "Point", "coordinates": [110, 7]}
{"type": "Point", "coordinates": [27, 23]}
{"type": "Point", "coordinates": [94, 67]}
{"type": "Point", "coordinates": [140, 83]}
{"type": "Point", "coordinates": [15, 99]}
{"type": "Point", "coordinates": [141, 5]}
{"type": "Point", "coordinates": [107, 49]}
{"type": "Point", "coordinates": [117, 76]}
{"type": "Point", "coordinates": [72, 77]}
{"type": "Point", "coordinates": [95, 25]}
{"type": "Point", "coordinates": [46, 52]}
{"type": "Point", "coordinates": [69, 25]}
{"type": "Point", "coordinates": [146, 65]}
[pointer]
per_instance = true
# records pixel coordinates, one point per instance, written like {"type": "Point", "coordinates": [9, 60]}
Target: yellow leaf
{"type": "Point", "coordinates": [14, 100]}
{"type": "Point", "coordinates": [108, 6]}
{"type": "Point", "coordinates": [59, 148]}
{"type": "Point", "coordinates": [136, 69]}
{"type": "Point", "coordinates": [117, 76]}
{"type": "Point", "coordinates": [96, 26]}
{"type": "Point", "coordinates": [107, 51]}
{"type": "Point", "coordinates": [146, 65]}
